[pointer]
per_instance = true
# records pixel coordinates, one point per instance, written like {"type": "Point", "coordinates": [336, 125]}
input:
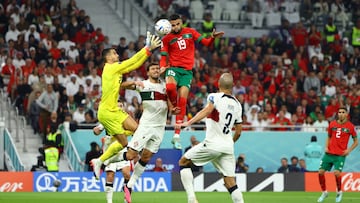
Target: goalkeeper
{"type": "Point", "coordinates": [116, 121]}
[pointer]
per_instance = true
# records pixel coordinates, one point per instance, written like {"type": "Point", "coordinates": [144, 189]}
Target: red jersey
{"type": "Point", "coordinates": [339, 135]}
{"type": "Point", "coordinates": [180, 48]}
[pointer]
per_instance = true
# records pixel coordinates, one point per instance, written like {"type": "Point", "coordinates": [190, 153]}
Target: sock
{"type": "Point", "coordinates": [187, 179]}
{"type": "Point", "coordinates": [338, 182]}
{"type": "Point", "coordinates": [113, 149]}
{"type": "Point", "coordinates": [109, 190]}
{"type": "Point", "coordinates": [138, 170]}
{"type": "Point", "coordinates": [126, 185]}
{"type": "Point", "coordinates": [181, 115]}
{"type": "Point", "coordinates": [322, 182]}
{"type": "Point", "coordinates": [171, 92]}
{"type": "Point", "coordinates": [236, 194]}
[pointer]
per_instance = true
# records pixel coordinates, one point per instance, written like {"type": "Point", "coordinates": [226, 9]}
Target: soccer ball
{"type": "Point", "coordinates": [57, 183]}
{"type": "Point", "coordinates": [162, 27]}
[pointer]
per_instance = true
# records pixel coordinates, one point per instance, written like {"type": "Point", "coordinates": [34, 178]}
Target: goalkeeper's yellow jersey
{"type": "Point", "coordinates": [112, 77]}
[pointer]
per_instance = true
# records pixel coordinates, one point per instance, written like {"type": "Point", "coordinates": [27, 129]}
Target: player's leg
{"type": "Point", "coordinates": [153, 137]}
{"type": "Point", "coordinates": [110, 175]}
{"type": "Point", "coordinates": [171, 85]}
{"type": "Point", "coordinates": [114, 123]}
{"type": "Point", "coordinates": [225, 164]}
{"type": "Point", "coordinates": [184, 83]}
{"type": "Point", "coordinates": [127, 191]}
{"type": "Point", "coordinates": [338, 166]}
{"type": "Point", "coordinates": [187, 178]}
{"type": "Point", "coordinates": [325, 165]}
{"type": "Point", "coordinates": [233, 189]}
{"type": "Point", "coordinates": [139, 167]}
{"type": "Point", "coordinates": [120, 135]}
{"type": "Point", "coordinates": [198, 155]}
{"type": "Point", "coordinates": [183, 94]}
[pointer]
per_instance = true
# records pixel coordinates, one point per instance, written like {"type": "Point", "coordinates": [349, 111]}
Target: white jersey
{"type": "Point", "coordinates": [154, 101]}
{"type": "Point", "coordinates": [219, 123]}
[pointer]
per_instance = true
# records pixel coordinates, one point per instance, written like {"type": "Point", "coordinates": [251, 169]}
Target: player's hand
{"type": "Point", "coordinates": [152, 41]}
{"type": "Point", "coordinates": [162, 70]}
{"type": "Point", "coordinates": [175, 110]}
{"type": "Point", "coordinates": [96, 130]}
{"type": "Point", "coordinates": [346, 152]}
{"type": "Point", "coordinates": [139, 84]}
{"type": "Point", "coordinates": [215, 34]}
{"type": "Point", "coordinates": [181, 125]}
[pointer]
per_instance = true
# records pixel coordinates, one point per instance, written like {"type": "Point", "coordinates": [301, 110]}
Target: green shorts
{"type": "Point", "coordinates": [183, 77]}
{"type": "Point", "coordinates": [330, 160]}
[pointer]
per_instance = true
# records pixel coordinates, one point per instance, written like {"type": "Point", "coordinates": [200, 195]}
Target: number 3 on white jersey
{"type": "Point", "coordinates": [338, 132]}
{"type": "Point", "coordinates": [181, 43]}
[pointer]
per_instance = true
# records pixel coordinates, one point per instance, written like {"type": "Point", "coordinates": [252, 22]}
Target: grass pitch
{"type": "Point", "coordinates": [172, 197]}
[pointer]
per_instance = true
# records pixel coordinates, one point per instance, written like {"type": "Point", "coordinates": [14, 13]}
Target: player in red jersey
{"type": "Point", "coordinates": [177, 61]}
{"type": "Point", "coordinates": [339, 132]}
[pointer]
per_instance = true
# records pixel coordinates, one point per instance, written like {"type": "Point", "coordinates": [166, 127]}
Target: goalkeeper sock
{"type": "Point", "coordinates": [172, 94]}
{"type": "Point", "coordinates": [138, 170]}
{"type": "Point", "coordinates": [113, 149]}
{"type": "Point", "coordinates": [187, 179]}
{"type": "Point", "coordinates": [109, 190]}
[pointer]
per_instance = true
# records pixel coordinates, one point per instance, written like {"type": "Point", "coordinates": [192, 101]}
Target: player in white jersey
{"type": "Point", "coordinates": [149, 134]}
{"type": "Point", "coordinates": [223, 112]}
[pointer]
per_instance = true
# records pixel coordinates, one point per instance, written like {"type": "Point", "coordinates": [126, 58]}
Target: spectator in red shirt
{"type": "Point", "coordinates": [82, 36]}
{"type": "Point", "coordinates": [73, 67]}
{"type": "Point", "coordinates": [28, 67]}
{"type": "Point", "coordinates": [282, 120]}
{"type": "Point", "coordinates": [98, 36]}
{"type": "Point", "coordinates": [54, 51]}
{"type": "Point", "coordinates": [301, 116]}
{"type": "Point", "coordinates": [159, 166]}
{"type": "Point", "coordinates": [331, 109]}
{"type": "Point", "coordinates": [314, 41]}
{"type": "Point", "coordinates": [299, 36]}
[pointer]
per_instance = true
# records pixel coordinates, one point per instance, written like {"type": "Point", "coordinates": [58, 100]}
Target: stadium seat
{"type": "Point", "coordinates": [196, 10]}
{"type": "Point", "coordinates": [216, 9]}
{"type": "Point", "coordinates": [231, 11]}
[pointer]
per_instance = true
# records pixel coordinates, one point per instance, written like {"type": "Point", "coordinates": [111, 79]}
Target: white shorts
{"type": "Point", "coordinates": [147, 137]}
{"type": "Point", "coordinates": [201, 155]}
{"type": "Point", "coordinates": [117, 166]}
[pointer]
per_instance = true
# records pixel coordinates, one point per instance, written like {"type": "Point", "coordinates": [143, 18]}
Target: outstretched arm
{"type": "Point", "coordinates": [131, 85]}
{"type": "Point", "coordinates": [209, 41]}
{"type": "Point", "coordinates": [199, 116]}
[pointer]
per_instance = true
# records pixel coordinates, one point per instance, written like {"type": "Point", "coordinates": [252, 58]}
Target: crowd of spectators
{"type": "Point", "coordinates": [50, 56]}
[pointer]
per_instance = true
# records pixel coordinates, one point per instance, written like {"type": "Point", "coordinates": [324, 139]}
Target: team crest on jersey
{"type": "Point", "coordinates": [136, 143]}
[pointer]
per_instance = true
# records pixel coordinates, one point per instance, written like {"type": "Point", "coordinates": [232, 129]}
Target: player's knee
{"type": "Point", "coordinates": [337, 173]}
{"type": "Point", "coordinates": [126, 176]}
{"type": "Point", "coordinates": [110, 176]}
{"type": "Point", "coordinates": [321, 172]}
{"type": "Point", "coordinates": [131, 154]}
{"type": "Point", "coordinates": [184, 162]}
{"type": "Point", "coordinates": [171, 87]}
